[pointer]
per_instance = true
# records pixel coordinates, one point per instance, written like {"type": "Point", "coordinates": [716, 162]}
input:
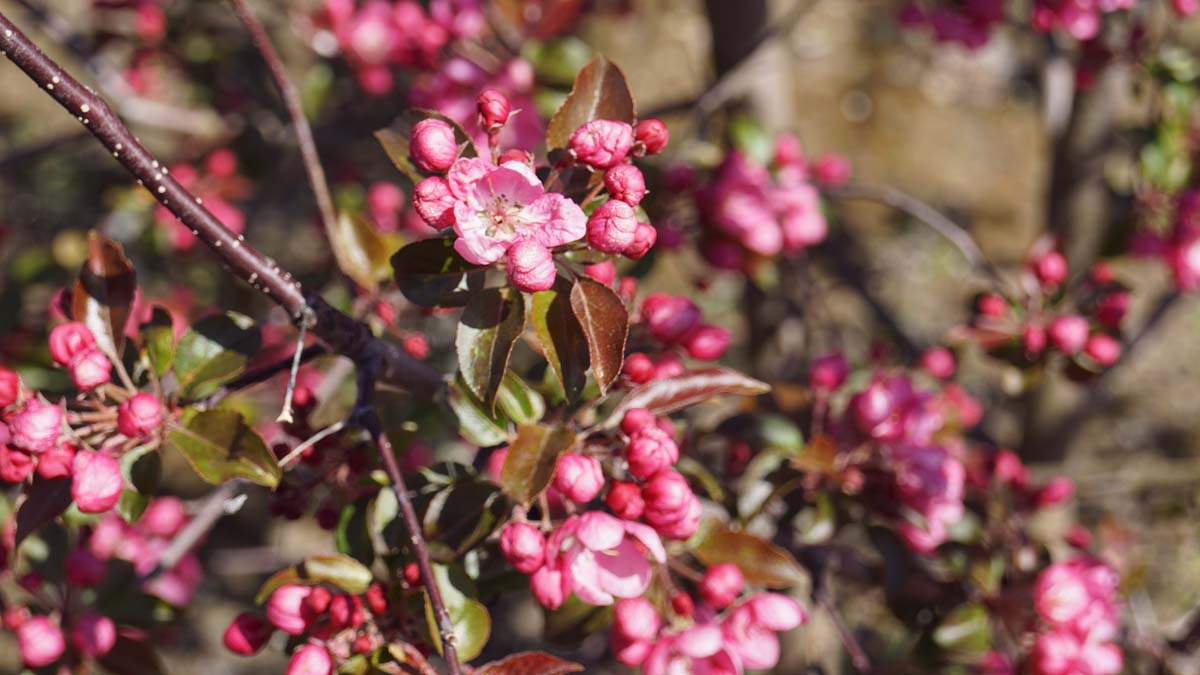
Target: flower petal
{"type": "Point", "coordinates": [649, 538]}
{"type": "Point", "coordinates": [583, 575]}
{"type": "Point", "coordinates": [479, 250]}
{"type": "Point", "coordinates": [623, 572]}
{"type": "Point", "coordinates": [699, 641]}
{"type": "Point", "coordinates": [757, 648]}
{"type": "Point", "coordinates": [777, 612]}
{"type": "Point", "coordinates": [562, 221]}
{"type": "Point", "coordinates": [600, 531]}
{"type": "Point", "coordinates": [464, 174]}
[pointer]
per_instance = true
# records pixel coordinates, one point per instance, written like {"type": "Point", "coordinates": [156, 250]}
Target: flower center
{"type": "Point", "coordinates": [503, 215]}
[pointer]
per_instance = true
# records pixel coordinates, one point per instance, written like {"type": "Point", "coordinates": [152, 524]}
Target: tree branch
{"type": "Point", "coordinates": [291, 99]}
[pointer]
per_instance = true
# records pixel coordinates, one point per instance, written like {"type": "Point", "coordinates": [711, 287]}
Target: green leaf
{"type": "Point", "coordinates": [562, 338]}
{"type": "Point", "coordinates": [468, 617]}
{"type": "Point", "coordinates": [490, 325]}
{"type": "Point", "coordinates": [754, 141]}
{"type": "Point", "coordinates": [532, 456]}
{"type": "Point", "coordinates": [352, 536]}
{"type": "Point", "coordinates": [220, 446]}
{"type": "Point", "coordinates": [395, 144]}
{"type": "Point", "coordinates": [158, 340]}
{"type": "Point", "coordinates": [695, 386]}
{"type": "Point", "coordinates": [141, 469]}
{"type": "Point", "coordinates": [475, 424]}
{"type": "Point", "coordinates": [461, 516]}
{"type": "Point", "coordinates": [966, 630]}
{"type": "Point", "coordinates": [213, 351]}
{"type": "Point", "coordinates": [600, 92]}
{"type": "Point", "coordinates": [530, 663]}
{"type": "Point", "coordinates": [103, 294]}
{"type": "Point", "coordinates": [338, 570]}
{"type": "Point", "coordinates": [762, 563]}
{"type": "Point", "coordinates": [519, 401]}
{"type": "Point", "coordinates": [605, 323]}
{"type": "Point", "coordinates": [359, 250]}
{"type": "Point", "coordinates": [430, 273]}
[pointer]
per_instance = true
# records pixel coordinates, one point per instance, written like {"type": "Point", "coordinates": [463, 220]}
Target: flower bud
{"type": "Point", "coordinates": [777, 612]}
{"type": "Point", "coordinates": [40, 642]}
{"type": "Point", "coordinates": [164, 517]}
{"type": "Point", "coordinates": [707, 343]}
{"type": "Point", "coordinates": [1110, 309]}
{"type": "Point", "coordinates": [993, 305]}
{"type": "Point", "coordinates": [829, 372]}
{"type": "Point", "coordinates": [90, 369]}
{"type": "Point", "coordinates": [493, 109]}
{"type": "Point", "coordinates": [376, 599]}
{"type": "Point", "coordinates": [549, 587]}
{"type": "Point", "coordinates": [1008, 468]}
{"type": "Point", "coordinates": [721, 585]}
{"type": "Point", "coordinates": [652, 134]}
{"type": "Point", "coordinates": [317, 603]}
{"type": "Point", "coordinates": [638, 367]}
{"type": "Point", "coordinates": [670, 318]}
{"type": "Point", "coordinates": [871, 407]}
{"type": "Point", "coordinates": [601, 144]}
{"type": "Point", "coordinates": [668, 365]}
{"type": "Point", "coordinates": [10, 387]}
{"type": "Point", "coordinates": [643, 240]}
{"type": "Point", "coordinates": [682, 605]}
{"type": "Point", "coordinates": [523, 546]}
{"type": "Point", "coordinates": [15, 465]}
{"type": "Point", "coordinates": [434, 202]}
{"type": "Point", "coordinates": [247, 634]}
{"type": "Point", "coordinates": [626, 183]}
{"type": "Point", "coordinates": [636, 419]}
{"type": "Point", "coordinates": [1068, 333]}
{"type": "Point", "coordinates": [635, 619]}
{"type": "Point", "coordinates": [687, 524]}
{"type": "Point", "coordinates": [310, 660]}
{"type": "Point", "coordinates": [531, 266]}
{"type": "Point", "coordinates": [1034, 338]}
{"type": "Point", "coordinates": [56, 462]}
{"type": "Point", "coordinates": [578, 477]}
{"type": "Point", "coordinates": [1103, 349]}
{"type": "Point", "coordinates": [345, 610]}
{"type": "Point", "coordinates": [938, 362]}
{"type": "Point", "coordinates": [36, 427]}
{"type": "Point", "coordinates": [412, 576]}
{"type": "Point", "coordinates": [625, 500]}
{"type": "Point", "coordinates": [96, 481]}
{"type": "Point", "coordinates": [788, 151]}
{"type": "Point", "coordinates": [629, 652]}
{"type": "Point", "coordinates": [612, 226]}
{"type": "Point", "coordinates": [139, 416]}
{"type": "Point", "coordinates": [831, 169]}
{"type": "Point", "coordinates": [69, 340]}
{"type": "Point", "coordinates": [1050, 269]}
{"type": "Point", "coordinates": [668, 497]}
{"type": "Point", "coordinates": [650, 450]}
{"type": "Point", "coordinates": [94, 634]}
{"type": "Point", "coordinates": [603, 272]}
{"type": "Point", "coordinates": [1057, 491]}
{"type": "Point", "coordinates": [285, 608]}
{"type": "Point", "coordinates": [84, 569]}
{"type": "Point", "coordinates": [433, 146]}
{"type": "Point", "coordinates": [1186, 8]}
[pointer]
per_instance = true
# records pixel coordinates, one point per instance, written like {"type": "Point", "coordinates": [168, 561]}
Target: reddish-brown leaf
{"type": "Point", "coordinates": [44, 501]}
{"type": "Point", "coordinates": [605, 324]}
{"type": "Point", "coordinates": [490, 325]}
{"type": "Point", "coordinates": [532, 457]}
{"type": "Point", "coordinates": [600, 93]}
{"type": "Point", "coordinates": [103, 294]}
{"type": "Point", "coordinates": [695, 386]}
{"type": "Point", "coordinates": [530, 663]}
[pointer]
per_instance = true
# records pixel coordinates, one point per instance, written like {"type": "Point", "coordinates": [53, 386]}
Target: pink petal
{"type": "Point", "coordinates": [624, 572]}
{"type": "Point", "coordinates": [699, 641]}
{"type": "Point", "coordinates": [758, 648]}
{"type": "Point", "coordinates": [1103, 658]}
{"type": "Point", "coordinates": [600, 531]}
{"type": "Point", "coordinates": [656, 663]}
{"type": "Point", "coordinates": [526, 171]}
{"type": "Point", "coordinates": [471, 244]}
{"type": "Point", "coordinates": [511, 183]}
{"type": "Point", "coordinates": [583, 575]}
{"type": "Point", "coordinates": [561, 539]}
{"type": "Point", "coordinates": [464, 174]}
{"type": "Point", "coordinates": [777, 612]}
{"type": "Point", "coordinates": [563, 221]}
{"type": "Point", "coordinates": [649, 538]}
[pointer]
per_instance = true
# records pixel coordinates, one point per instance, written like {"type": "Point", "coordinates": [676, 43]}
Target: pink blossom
{"type": "Point", "coordinates": [707, 343]}
{"type": "Point", "coordinates": [650, 450]}
{"type": "Point", "coordinates": [626, 183]}
{"type": "Point", "coordinates": [285, 608]}
{"type": "Point", "coordinates": [37, 427]}
{"type": "Point", "coordinates": [550, 586]}
{"type": "Point", "coordinates": [68, 340]}
{"type": "Point", "coordinates": [670, 318]}
{"type": "Point", "coordinates": [671, 506]}
{"type": "Point", "coordinates": [453, 90]}
{"type": "Point", "coordinates": [829, 372]}
{"type": "Point", "coordinates": [1103, 349]}
{"type": "Point", "coordinates": [601, 144]}
{"type": "Point", "coordinates": [10, 387]}
{"type": "Point", "coordinates": [56, 462]}
{"type": "Point", "coordinates": [1078, 595]}
{"type": "Point", "coordinates": [434, 202]}
{"type": "Point", "coordinates": [635, 619]}
{"type": "Point", "coordinates": [94, 634]}
{"type": "Point", "coordinates": [721, 585]}
{"type": "Point", "coordinates": [15, 465]}
{"type": "Point", "coordinates": [90, 369]}
{"type": "Point", "coordinates": [310, 660]}
{"type": "Point", "coordinates": [938, 362]}
{"type": "Point", "coordinates": [247, 634]}
{"type": "Point", "coordinates": [578, 477]}
{"type": "Point", "coordinates": [1068, 333]}
{"type": "Point", "coordinates": [1062, 652]}
{"type": "Point", "coordinates": [643, 240]}
{"type": "Point", "coordinates": [433, 146]}
{"type": "Point", "coordinates": [603, 558]}
{"type": "Point", "coordinates": [625, 500]}
{"type": "Point", "coordinates": [612, 227]}
{"type": "Point", "coordinates": [652, 134]}
{"type": "Point", "coordinates": [40, 641]}
{"type": "Point", "coordinates": [494, 109]}
{"type": "Point", "coordinates": [139, 416]}
{"type": "Point", "coordinates": [699, 650]}
{"type": "Point", "coordinates": [498, 206]}
{"type": "Point", "coordinates": [164, 517]}
{"type": "Point", "coordinates": [530, 266]}
{"type": "Point", "coordinates": [524, 547]}
{"type": "Point", "coordinates": [750, 629]}
{"type": "Point", "coordinates": [930, 483]}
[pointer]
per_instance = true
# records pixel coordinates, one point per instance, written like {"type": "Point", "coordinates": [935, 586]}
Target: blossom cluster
{"type": "Point", "coordinates": [1180, 247]}
{"type": "Point", "coordinates": [1076, 601]}
{"type": "Point", "coordinates": [675, 322]}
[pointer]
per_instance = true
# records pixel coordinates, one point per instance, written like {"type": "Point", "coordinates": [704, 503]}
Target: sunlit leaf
{"type": "Point", "coordinates": [562, 339]}
{"type": "Point", "coordinates": [532, 456]}
{"type": "Point", "coordinates": [475, 424]}
{"type": "Point", "coordinates": [103, 294]}
{"type": "Point", "coordinates": [359, 250]}
{"type": "Point", "coordinates": [220, 445]}
{"type": "Point", "coordinates": [605, 323]}
{"type": "Point", "coordinates": [213, 351]}
{"type": "Point", "coordinates": [158, 340]}
{"type": "Point", "coordinates": [681, 391]}
{"type": "Point", "coordinates": [600, 92]}
{"type": "Point", "coordinates": [487, 331]}
{"type": "Point", "coordinates": [468, 617]}
{"type": "Point", "coordinates": [338, 570]}
{"type": "Point", "coordinates": [762, 563]}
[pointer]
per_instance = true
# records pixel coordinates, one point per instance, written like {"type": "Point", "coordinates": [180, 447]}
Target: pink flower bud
{"type": "Point", "coordinates": [549, 587]}
{"type": "Point", "coordinates": [682, 605]}
{"type": "Point", "coordinates": [601, 143]}
{"type": "Point", "coordinates": [36, 427]}
{"type": "Point", "coordinates": [670, 318]}
{"type": "Point", "coordinates": [629, 652]}
{"type": "Point", "coordinates": [635, 619]}
{"type": "Point", "coordinates": [707, 343]}
{"type": "Point", "coordinates": [626, 183]}
{"type": "Point", "coordinates": [1034, 337]}
{"type": "Point", "coordinates": [871, 406]}
{"type": "Point", "coordinates": [531, 266]}
{"type": "Point", "coordinates": [612, 226]}
{"type": "Point", "coordinates": [788, 151]}
{"type": "Point", "coordinates": [1186, 8]}
{"type": "Point", "coordinates": [310, 660]}
{"type": "Point", "coordinates": [247, 634]}
{"type": "Point", "coordinates": [668, 497]}
{"type": "Point", "coordinates": [317, 603]}
{"type": "Point", "coordinates": [1057, 491]}
{"type": "Point", "coordinates": [578, 477]}
{"type": "Point", "coordinates": [285, 608]}
{"type": "Point", "coordinates": [1103, 349]}
{"type": "Point", "coordinates": [938, 362]}
{"type": "Point", "coordinates": [90, 369]}
{"type": "Point", "coordinates": [1068, 333]}
{"type": "Point", "coordinates": [687, 524]}
{"type": "Point", "coordinates": [139, 416]}
{"type": "Point", "coordinates": [829, 372]}
{"type": "Point", "coordinates": [991, 304]}
{"type": "Point", "coordinates": [57, 462]}
{"type": "Point", "coordinates": [604, 272]}
{"type": "Point", "coordinates": [625, 500]}
{"type": "Point", "coordinates": [433, 146]}
{"type": "Point", "coordinates": [638, 367]}
{"type": "Point", "coordinates": [10, 387]}
{"type": "Point", "coordinates": [777, 612]}
{"type": "Point", "coordinates": [96, 482]}
{"type": "Point", "coordinates": [516, 155]}
{"type": "Point", "coordinates": [164, 517]}
{"type": "Point", "coordinates": [94, 634]}
{"type": "Point", "coordinates": [668, 365]}
{"type": "Point", "coordinates": [84, 569]}
{"type": "Point", "coordinates": [721, 585]}
{"type": "Point", "coordinates": [493, 110]}
{"type": "Point", "coordinates": [1110, 309]}
{"type": "Point", "coordinates": [652, 134]}
{"type": "Point", "coordinates": [636, 419]}
{"type": "Point", "coordinates": [643, 240]}
{"type": "Point", "coordinates": [68, 340]}
{"type": "Point", "coordinates": [1050, 269]}
{"type": "Point", "coordinates": [650, 450]}
{"type": "Point", "coordinates": [832, 169]}
{"type": "Point", "coordinates": [15, 465]}
{"type": "Point", "coordinates": [1009, 469]}
{"type": "Point", "coordinates": [434, 202]}
{"type": "Point", "coordinates": [523, 546]}
{"type": "Point", "coordinates": [40, 641]}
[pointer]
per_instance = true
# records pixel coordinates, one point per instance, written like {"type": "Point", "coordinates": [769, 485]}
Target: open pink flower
{"type": "Point", "coordinates": [602, 557]}
{"type": "Point", "coordinates": [699, 650]}
{"type": "Point", "coordinates": [498, 206]}
{"type": "Point", "coordinates": [1062, 652]}
{"type": "Point", "coordinates": [750, 629]}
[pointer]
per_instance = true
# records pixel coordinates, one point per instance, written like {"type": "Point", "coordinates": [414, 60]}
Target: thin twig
{"type": "Point", "coordinates": [858, 657]}
{"type": "Point", "coordinates": [291, 98]}
{"type": "Point", "coordinates": [311, 441]}
{"type": "Point", "coordinates": [218, 503]}
{"type": "Point", "coordinates": [263, 374]}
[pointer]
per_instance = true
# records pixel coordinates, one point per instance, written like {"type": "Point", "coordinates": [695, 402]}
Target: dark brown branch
{"type": "Point", "coordinates": [304, 135]}
{"type": "Point", "coordinates": [858, 657]}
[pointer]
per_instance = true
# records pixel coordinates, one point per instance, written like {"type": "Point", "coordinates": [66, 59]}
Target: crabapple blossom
{"type": "Point", "coordinates": [139, 415]}
{"type": "Point", "coordinates": [523, 546]}
{"type": "Point", "coordinates": [601, 144]}
{"type": "Point", "coordinates": [310, 660]}
{"type": "Point", "coordinates": [749, 630]}
{"type": "Point", "coordinates": [94, 634]}
{"type": "Point", "coordinates": [578, 477]}
{"type": "Point", "coordinates": [671, 506]}
{"type": "Point", "coordinates": [15, 465]}
{"type": "Point", "coordinates": [285, 608]}
{"type": "Point", "coordinates": [247, 634]}
{"type": "Point", "coordinates": [36, 427]}
{"type": "Point", "coordinates": [603, 272]}
{"type": "Point", "coordinates": [10, 387]}
{"type": "Point", "coordinates": [1062, 652]}
{"type": "Point", "coordinates": [494, 109]}
{"type": "Point", "coordinates": [649, 451]}
{"type": "Point", "coordinates": [68, 340]}
{"type": "Point", "coordinates": [829, 372]}
{"type": "Point", "coordinates": [40, 642]}
{"type": "Point", "coordinates": [625, 500]}
{"type": "Point", "coordinates": [670, 318]}
{"type": "Point", "coordinates": [1068, 333]}
{"type": "Point", "coordinates": [707, 343]}
{"type": "Point", "coordinates": [698, 649]}
{"type": "Point", "coordinates": [1103, 349]}
{"type": "Point", "coordinates": [721, 585]}
{"type": "Point", "coordinates": [531, 266]}
{"type": "Point", "coordinates": [434, 202]}
{"type": "Point", "coordinates": [612, 227]}
{"type": "Point", "coordinates": [549, 586]}
{"type": "Point", "coordinates": [652, 134]}
{"type": "Point", "coordinates": [626, 183]}
{"type": "Point", "coordinates": [1050, 269]}
{"type": "Point", "coordinates": [56, 462]}
{"type": "Point", "coordinates": [636, 419]}
{"type": "Point", "coordinates": [164, 517]}
{"type": "Point", "coordinates": [644, 238]}
{"type": "Point", "coordinates": [635, 619]}
{"type": "Point", "coordinates": [433, 145]}
{"type": "Point", "coordinates": [938, 362]}
{"type": "Point", "coordinates": [602, 557]}
{"type": "Point", "coordinates": [90, 369]}
{"type": "Point", "coordinates": [96, 481]}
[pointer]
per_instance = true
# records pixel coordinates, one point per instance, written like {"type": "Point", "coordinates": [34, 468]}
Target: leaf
{"type": "Point", "coordinates": [158, 340]}
{"type": "Point", "coordinates": [359, 250]}
{"type": "Point", "coordinates": [600, 92]}
{"type": "Point", "coordinates": [141, 469]}
{"type": "Point", "coordinates": [562, 338]}
{"type": "Point", "coordinates": [487, 331]}
{"type": "Point", "coordinates": [461, 516]}
{"type": "Point", "coordinates": [430, 273]}
{"type": "Point", "coordinates": [338, 570]}
{"type": "Point", "coordinates": [220, 446]}
{"type": "Point", "coordinates": [468, 617]}
{"type": "Point", "coordinates": [605, 323]}
{"type": "Point", "coordinates": [352, 536]}
{"type": "Point", "coordinates": [695, 386]}
{"type": "Point", "coordinates": [762, 563]}
{"type": "Point", "coordinates": [103, 295]}
{"type": "Point", "coordinates": [44, 501]}
{"type": "Point", "coordinates": [966, 630]}
{"type": "Point", "coordinates": [213, 351]}
{"type": "Point", "coordinates": [532, 456]}
{"type": "Point", "coordinates": [530, 663]}
{"type": "Point", "coordinates": [132, 656]}
{"type": "Point", "coordinates": [519, 401]}
{"type": "Point", "coordinates": [478, 426]}
{"type": "Point", "coordinates": [395, 144]}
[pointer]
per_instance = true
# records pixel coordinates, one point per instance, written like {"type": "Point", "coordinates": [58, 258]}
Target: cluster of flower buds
{"type": "Point", "coordinates": [73, 347]}
{"type": "Point", "coordinates": [969, 24]}
{"type": "Point", "coordinates": [1180, 248]}
{"type": "Point", "coordinates": [677, 323]}
{"type": "Point", "coordinates": [1081, 19]}
{"type": "Point", "coordinates": [218, 185]}
{"type": "Point", "coordinates": [454, 89]}
{"type": "Point", "coordinates": [1076, 599]}
{"type": "Point", "coordinates": [658, 494]}
{"type": "Point", "coordinates": [42, 642]}
{"type": "Point", "coordinates": [766, 211]}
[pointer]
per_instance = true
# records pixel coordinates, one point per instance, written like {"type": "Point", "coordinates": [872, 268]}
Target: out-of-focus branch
{"type": "Point", "coordinates": [291, 99]}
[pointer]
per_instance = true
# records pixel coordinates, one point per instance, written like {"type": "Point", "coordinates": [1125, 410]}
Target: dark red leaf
{"type": "Point", "coordinates": [600, 93]}
{"type": "Point", "coordinates": [695, 386]}
{"type": "Point", "coordinates": [605, 323]}
{"type": "Point", "coordinates": [44, 501]}
{"type": "Point", "coordinates": [530, 663]}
